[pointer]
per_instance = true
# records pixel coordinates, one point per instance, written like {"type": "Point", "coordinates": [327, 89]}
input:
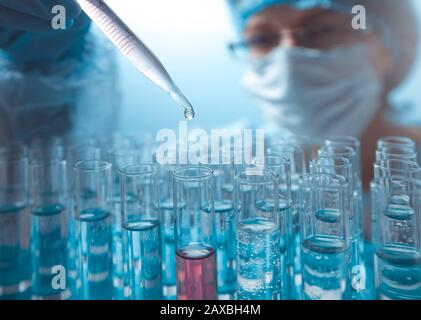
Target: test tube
{"type": "Point", "coordinates": [44, 150]}
{"type": "Point", "coordinates": [90, 150]}
{"type": "Point", "coordinates": [49, 229]}
{"type": "Point", "coordinates": [195, 233]}
{"type": "Point", "coordinates": [398, 251]}
{"type": "Point", "coordinates": [295, 154]}
{"type": "Point", "coordinates": [142, 230]}
{"type": "Point", "coordinates": [355, 144]}
{"type": "Point", "coordinates": [347, 141]}
{"type": "Point", "coordinates": [145, 143]}
{"type": "Point", "coordinates": [93, 205]}
{"type": "Point", "coordinates": [168, 231]}
{"type": "Point", "coordinates": [351, 154]}
{"type": "Point", "coordinates": [389, 149]}
{"type": "Point", "coordinates": [122, 154]}
{"type": "Point", "coordinates": [258, 235]}
{"type": "Point", "coordinates": [384, 170]}
{"type": "Point", "coordinates": [15, 266]}
{"type": "Point", "coordinates": [225, 229]}
{"type": "Point", "coordinates": [343, 167]}
{"type": "Point", "coordinates": [281, 168]}
{"type": "Point", "coordinates": [325, 237]}
{"type": "Point", "coordinates": [347, 152]}
{"type": "Point", "coordinates": [235, 157]}
{"type": "Point", "coordinates": [168, 163]}
{"type": "Point", "coordinates": [306, 144]}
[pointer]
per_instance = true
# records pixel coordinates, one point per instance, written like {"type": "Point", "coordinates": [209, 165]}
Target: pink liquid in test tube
{"type": "Point", "coordinates": [196, 273]}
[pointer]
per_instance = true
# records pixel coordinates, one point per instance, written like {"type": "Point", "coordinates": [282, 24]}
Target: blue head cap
{"type": "Point", "coordinates": [397, 22]}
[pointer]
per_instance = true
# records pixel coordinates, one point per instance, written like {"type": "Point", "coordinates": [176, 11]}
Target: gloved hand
{"type": "Point", "coordinates": [27, 35]}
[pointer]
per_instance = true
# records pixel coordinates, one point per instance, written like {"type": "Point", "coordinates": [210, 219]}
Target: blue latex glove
{"type": "Point", "coordinates": [27, 36]}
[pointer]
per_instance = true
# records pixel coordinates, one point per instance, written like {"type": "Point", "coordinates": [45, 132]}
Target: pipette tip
{"type": "Point", "coordinates": [184, 103]}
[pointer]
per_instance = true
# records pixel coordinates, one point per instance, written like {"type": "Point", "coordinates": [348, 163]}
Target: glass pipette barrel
{"type": "Point", "coordinates": [140, 56]}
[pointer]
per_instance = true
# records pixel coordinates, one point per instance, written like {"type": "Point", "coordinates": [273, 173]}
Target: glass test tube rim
{"type": "Point", "coordinates": [293, 151]}
{"type": "Point", "coordinates": [152, 169]}
{"type": "Point", "coordinates": [104, 165]}
{"type": "Point", "coordinates": [286, 146]}
{"type": "Point", "coordinates": [344, 162]}
{"type": "Point", "coordinates": [208, 173]}
{"type": "Point", "coordinates": [74, 154]}
{"type": "Point", "coordinates": [264, 174]}
{"type": "Point", "coordinates": [396, 141]}
{"type": "Point", "coordinates": [336, 140]}
{"type": "Point", "coordinates": [338, 150]}
{"type": "Point", "coordinates": [308, 179]}
{"type": "Point", "coordinates": [283, 161]}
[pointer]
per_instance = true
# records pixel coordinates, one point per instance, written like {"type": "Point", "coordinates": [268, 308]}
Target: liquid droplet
{"type": "Point", "coordinates": [189, 114]}
{"type": "Point", "coordinates": [184, 103]}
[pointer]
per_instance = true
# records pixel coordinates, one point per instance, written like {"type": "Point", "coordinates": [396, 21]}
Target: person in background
{"type": "Point", "coordinates": [314, 74]}
{"type": "Point", "coordinates": [53, 82]}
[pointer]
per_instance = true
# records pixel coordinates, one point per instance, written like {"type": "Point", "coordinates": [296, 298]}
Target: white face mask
{"type": "Point", "coordinates": [316, 93]}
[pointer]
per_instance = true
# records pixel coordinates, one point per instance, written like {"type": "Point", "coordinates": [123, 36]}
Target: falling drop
{"type": "Point", "coordinates": [189, 114]}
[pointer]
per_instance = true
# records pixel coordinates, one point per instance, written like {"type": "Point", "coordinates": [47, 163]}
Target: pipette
{"type": "Point", "coordinates": [141, 57]}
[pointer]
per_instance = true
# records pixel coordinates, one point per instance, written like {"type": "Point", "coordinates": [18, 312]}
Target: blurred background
{"type": "Point", "coordinates": [190, 37]}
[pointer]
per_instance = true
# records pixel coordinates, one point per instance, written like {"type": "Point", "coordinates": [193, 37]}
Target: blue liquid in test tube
{"type": "Point", "coordinates": [15, 265]}
{"type": "Point", "coordinates": [226, 248]}
{"type": "Point", "coordinates": [15, 270]}
{"type": "Point", "coordinates": [144, 258]}
{"type": "Point", "coordinates": [167, 232]}
{"type": "Point", "coordinates": [49, 229]}
{"type": "Point", "coordinates": [95, 245]}
{"type": "Point", "coordinates": [49, 251]}
{"type": "Point", "coordinates": [325, 244]}
{"type": "Point", "coordinates": [168, 250]}
{"type": "Point", "coordinates": [141, 231]}
{"type": "Point", "coordinates": [325, 264]}
{"type": "Point", "coordinates": [94, 229]}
